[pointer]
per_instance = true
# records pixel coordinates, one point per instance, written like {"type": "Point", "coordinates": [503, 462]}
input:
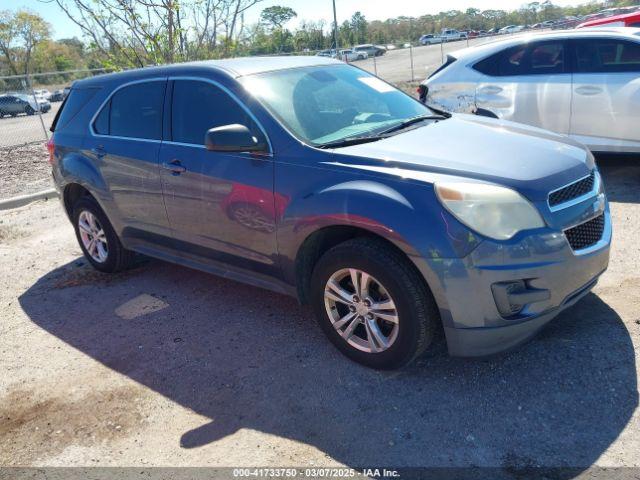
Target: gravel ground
{"type": "Point", "coordinates": [25, 169]}
{"type": "Point", "coordinates": [167, 366]}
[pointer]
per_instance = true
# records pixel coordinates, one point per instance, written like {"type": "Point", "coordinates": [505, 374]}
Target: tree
{"type": "Point", "coordinates": [20, 35]}
{"type": "Point", "coordinates": [276, 16]}
{"type": "Point", "coordinates": [142, 32]}
{"type": "Point", "coordinates": [7, 39]}
{"type": "Point", "coordinates": [359, 28]}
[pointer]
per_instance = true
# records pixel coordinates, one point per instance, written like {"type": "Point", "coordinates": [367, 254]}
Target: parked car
{"type": "Point", "coordinates": [351, 196]}
{"type": "Point", "coordinates": [16, 103]}
{"type": "Point", "coordinates": [349, 55]}
{"type": "Point", "coordinates": [451, 35]}
{"type": "Point", "coordinates": [430, 39]}
{"type": "Point", "coordinates": [582, 83]}
{"type": "Point", "coordinates": [57, 96]}
{"type": "Point", "coordinates": [370, 50]}
{"type": "Point", "coordinates": [625, 20]}
{"type": "Point", "coordinates": [43, 92]}
{"type": "Point", "coordinates": [510, 29]}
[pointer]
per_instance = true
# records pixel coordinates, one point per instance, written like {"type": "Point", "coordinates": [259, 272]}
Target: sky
{"type": "Point", "coordinates": [306, 9]}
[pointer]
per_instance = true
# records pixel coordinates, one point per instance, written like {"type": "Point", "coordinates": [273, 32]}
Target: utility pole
{"type": "Point", "coordinates": [335, 27]}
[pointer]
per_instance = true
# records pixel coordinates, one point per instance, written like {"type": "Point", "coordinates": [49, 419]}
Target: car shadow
{"type": "Point", "coordinates": [250, 359]}
{"type": "Point", "coordinates": [621, 176]}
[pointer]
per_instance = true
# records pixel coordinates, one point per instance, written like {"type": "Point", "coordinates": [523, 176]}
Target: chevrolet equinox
{"type": "Point", "coordinates": [315, 179]}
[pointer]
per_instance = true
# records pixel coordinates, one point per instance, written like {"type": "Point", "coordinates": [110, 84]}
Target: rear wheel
{"type": "Point", "coordinates": [372, 304]}
{"type": "Point", "coordinates": [97, 238]}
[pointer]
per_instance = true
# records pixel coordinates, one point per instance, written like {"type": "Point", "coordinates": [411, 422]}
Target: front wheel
{"type": "Point", "coordinates": [29, 110]}
{"type": "Point", "coordinates": [97, 238]}
{"type": "Point", "coordinates": [372, 304]}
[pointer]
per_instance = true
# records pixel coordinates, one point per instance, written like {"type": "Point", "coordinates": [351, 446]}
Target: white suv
{"type": "Point", "coordinates": [582, 83]}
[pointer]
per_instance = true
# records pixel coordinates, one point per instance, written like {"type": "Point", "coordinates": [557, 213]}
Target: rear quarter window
{"type": "Point", "coordinates": [71, 106]}
{"type": "Point", "coordinates": [449, 62]}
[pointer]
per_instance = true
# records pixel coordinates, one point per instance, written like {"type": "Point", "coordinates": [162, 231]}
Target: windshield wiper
{"type": "Point", "coordinates": [411, 121]}
{"type": "Point", "coordinates": [345, 142]}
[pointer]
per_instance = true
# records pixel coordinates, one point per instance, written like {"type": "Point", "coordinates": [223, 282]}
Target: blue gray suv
{"type": "Point", "coordinates": [315, 179]}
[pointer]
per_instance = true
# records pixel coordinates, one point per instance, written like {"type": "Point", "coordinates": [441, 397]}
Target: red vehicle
{"type": "Point", "coordinates": [625, 20]}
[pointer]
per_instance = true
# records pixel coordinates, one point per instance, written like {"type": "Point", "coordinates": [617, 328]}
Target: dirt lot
{"type": "Point", "coordinates": [163, 365]}
{"type": "Point", "coordinates": [25, 169]}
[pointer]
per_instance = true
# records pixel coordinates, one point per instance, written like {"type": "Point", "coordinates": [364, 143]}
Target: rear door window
{"type": "Point", "coordinates": [603, 55]}
{"type": "Point", "coordinates": [539, 58]}
{"type": "Point", "coordinates": [134, 111]}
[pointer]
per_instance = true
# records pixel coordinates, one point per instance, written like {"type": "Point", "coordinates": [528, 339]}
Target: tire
{"type": "Point", "coordinates": [29, 110]}
{"type": "Point", "coordinates": [392, 278]}
{"type": "Point", "coordinates": [117, 257]}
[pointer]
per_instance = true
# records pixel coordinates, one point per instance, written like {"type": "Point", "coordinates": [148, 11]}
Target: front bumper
{"type": "Point", "coordinates": [462, 287]}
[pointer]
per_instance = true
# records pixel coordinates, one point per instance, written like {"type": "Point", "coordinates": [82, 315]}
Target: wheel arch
{"type": "Point", "coordinates": [71, 193]}
{"type": "Point", "coordinates": [318, 242]}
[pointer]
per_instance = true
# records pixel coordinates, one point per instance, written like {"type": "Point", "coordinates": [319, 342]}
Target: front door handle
{"type": "Point", "coordinates": [174, 166]}
{"type": "Point", "coordinates": [588, 90]}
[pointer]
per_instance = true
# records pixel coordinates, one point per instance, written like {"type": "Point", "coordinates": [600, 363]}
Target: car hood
{"type": "Point", "coordinates": [529, 159]}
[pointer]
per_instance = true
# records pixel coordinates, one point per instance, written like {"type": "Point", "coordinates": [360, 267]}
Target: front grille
{"type": "Point", "coordinates": [586, 234]}
{"type": "Point", "coordinates": [575, 190]}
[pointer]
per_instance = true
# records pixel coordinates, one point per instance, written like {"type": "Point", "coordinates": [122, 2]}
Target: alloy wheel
{"type": "Point", "coordinates": [361, 310]}
{"type": "Point", "coordinates": [93, 237]}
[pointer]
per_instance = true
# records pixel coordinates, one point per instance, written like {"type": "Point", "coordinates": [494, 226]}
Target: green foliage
{"type": "Point", "coordinates": [146, 33]}
{"type": "Point", "coordinates": [276, 16]}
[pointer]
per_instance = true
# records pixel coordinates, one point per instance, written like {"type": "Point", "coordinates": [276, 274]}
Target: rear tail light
{"type": "Point", "coordinates": [51, 149]}
{"type": "Point", "coordinates": [422, 93]}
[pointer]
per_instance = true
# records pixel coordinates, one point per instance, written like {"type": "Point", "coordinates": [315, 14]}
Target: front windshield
{"type": "Point", "coordinates": [322, 105]}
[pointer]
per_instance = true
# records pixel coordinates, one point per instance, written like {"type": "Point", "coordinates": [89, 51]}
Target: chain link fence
{"type": "Point", "coordinates": [407, 64]}
{"type": "Point", "coordinates": [29, 103]}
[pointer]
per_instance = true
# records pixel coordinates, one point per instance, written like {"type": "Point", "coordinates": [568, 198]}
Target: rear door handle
{"type": "Point", "coordinates": [99, 151]}
{"type": "Point", "coordinates": [490, 90]}
{"type": "Point", "coordinates": [588, 90]}
{"type": "Point", "coordinates": [174, 166]}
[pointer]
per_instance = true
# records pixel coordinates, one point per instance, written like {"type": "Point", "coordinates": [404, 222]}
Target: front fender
{"type": "Point", "coordinates": [402, 212]}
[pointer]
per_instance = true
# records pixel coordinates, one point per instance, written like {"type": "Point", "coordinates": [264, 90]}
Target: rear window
{"type": "Point", "coordinates": [71, 106]}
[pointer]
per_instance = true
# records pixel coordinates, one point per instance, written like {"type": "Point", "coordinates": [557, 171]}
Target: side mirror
{"type": "Point", "coordinates": [232, 138]}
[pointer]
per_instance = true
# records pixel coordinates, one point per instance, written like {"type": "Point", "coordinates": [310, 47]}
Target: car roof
{"type": "Point", "coordinates": [612, 18]}
{"type": "Point", "coordinates": [233, 67]}
{"type": "Point", "coordinates": [497, 45]}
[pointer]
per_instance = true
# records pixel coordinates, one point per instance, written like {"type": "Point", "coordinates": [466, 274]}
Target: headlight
{"type": "Point", "coordinates": [490, 210]}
